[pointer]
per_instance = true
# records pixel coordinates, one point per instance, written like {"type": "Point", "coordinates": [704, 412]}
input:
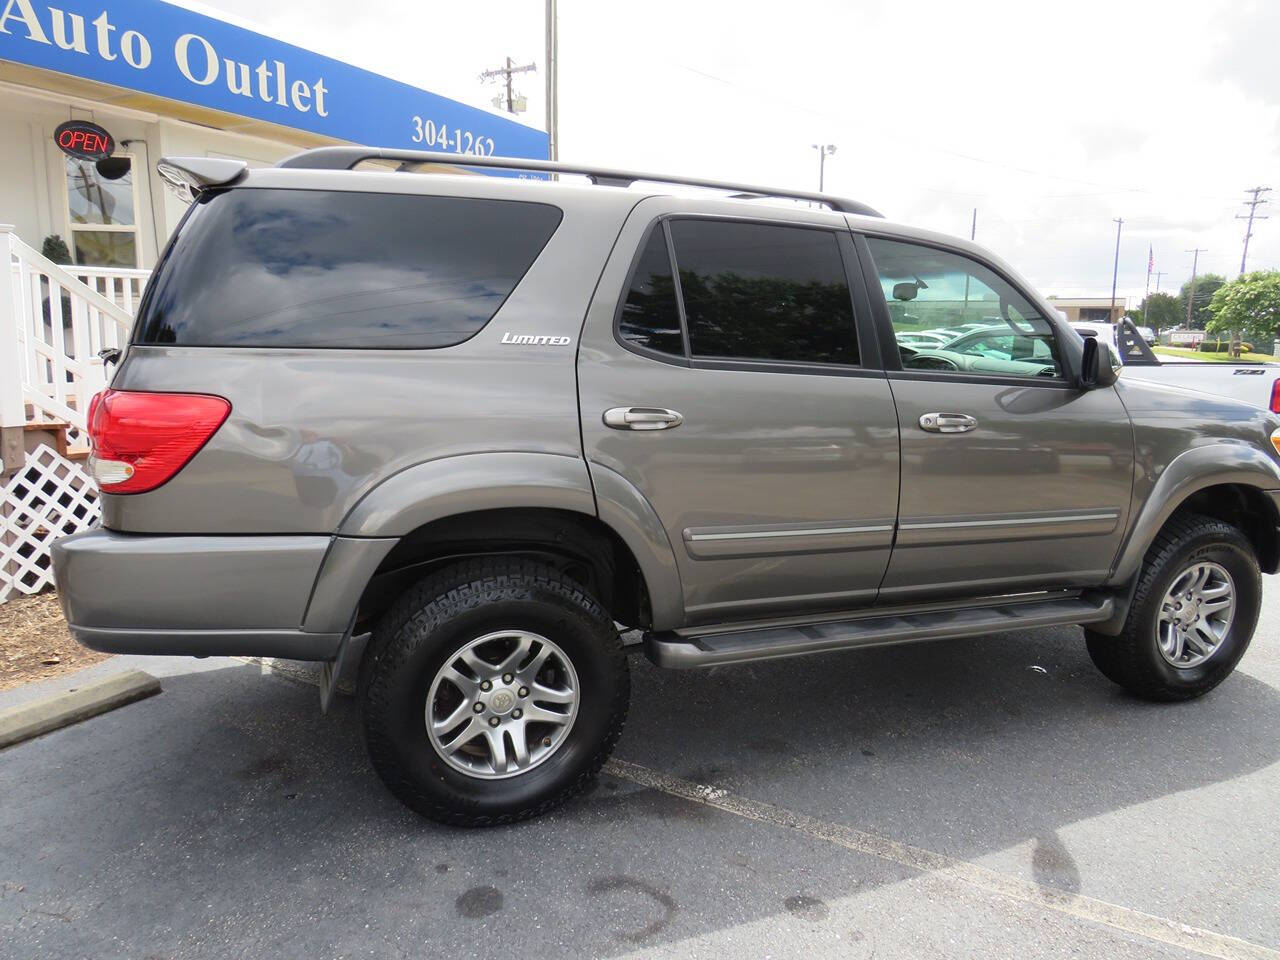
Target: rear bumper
{"type": "Point", "coordinates": [193, 595]}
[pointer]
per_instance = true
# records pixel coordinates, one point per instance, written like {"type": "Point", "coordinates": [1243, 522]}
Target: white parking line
{"type": "Point", "coordinates": [1159, 929]}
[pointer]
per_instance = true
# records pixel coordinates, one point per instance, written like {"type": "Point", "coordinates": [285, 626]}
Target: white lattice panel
{"type": "Point", "coordinates": [48, 498]}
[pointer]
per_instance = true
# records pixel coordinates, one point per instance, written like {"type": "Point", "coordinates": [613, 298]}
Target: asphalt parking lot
{"type": "Point", "coordinates": [993, 797]}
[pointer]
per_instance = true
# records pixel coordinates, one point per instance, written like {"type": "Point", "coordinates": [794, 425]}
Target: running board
{"type": "Point", "coordinates": [680, 652]}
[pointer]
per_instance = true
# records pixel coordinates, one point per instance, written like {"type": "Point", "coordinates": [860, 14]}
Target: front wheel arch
{"type": "Point", "coordinates": [1239, 472]}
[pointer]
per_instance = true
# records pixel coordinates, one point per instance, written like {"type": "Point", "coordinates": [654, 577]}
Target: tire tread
{"type": "Point", "coordinates": [411, 621]}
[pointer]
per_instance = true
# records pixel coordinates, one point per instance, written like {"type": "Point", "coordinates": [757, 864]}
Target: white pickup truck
{"type": "Point", "coordinates": [1254, 383]}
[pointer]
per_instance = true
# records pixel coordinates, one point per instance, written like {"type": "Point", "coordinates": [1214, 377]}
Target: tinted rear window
{"type": "Point", "coordinates": [310, 268]}
{"type": "Point", "coordinates": [650, 315]}
{"type": "Point", "coordinates": [756, 291]}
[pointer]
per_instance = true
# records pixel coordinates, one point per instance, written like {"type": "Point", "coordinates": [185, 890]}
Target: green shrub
{"type": "Point", "coordinates": [1223, 346]}
{"type": "Point", "coordinates": [55, 248]}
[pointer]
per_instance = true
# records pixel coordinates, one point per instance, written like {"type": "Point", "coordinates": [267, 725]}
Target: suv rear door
{"type": "Point", "coordinates": [777, 486]}
{"type": "Point", "coordinates": [1012, 477]}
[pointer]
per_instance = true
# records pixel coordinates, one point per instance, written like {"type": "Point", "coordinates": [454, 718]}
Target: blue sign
{"type": "Point", "coordinates": [157, 48]}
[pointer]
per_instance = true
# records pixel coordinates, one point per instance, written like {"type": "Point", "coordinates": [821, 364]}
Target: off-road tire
{"type": "Point", "coordinates": [1133, 658]}
{"type": "Point", "coordinates": [428, 624]}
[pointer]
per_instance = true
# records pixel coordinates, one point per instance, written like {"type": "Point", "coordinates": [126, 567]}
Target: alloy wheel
{"type": "Point", "coordinates": [502, 704]}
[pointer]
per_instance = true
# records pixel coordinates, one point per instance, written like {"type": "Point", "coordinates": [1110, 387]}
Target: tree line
{"type": "Point", "coordinates": [1249, 304]}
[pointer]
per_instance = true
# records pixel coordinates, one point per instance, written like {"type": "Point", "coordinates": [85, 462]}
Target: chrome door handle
{"type": "Point", "coordinates": [947, 422]}
{"type": "Point", "coordinates": [641, 418]}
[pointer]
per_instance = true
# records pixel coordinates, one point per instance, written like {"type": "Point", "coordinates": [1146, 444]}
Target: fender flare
{"type": "Point", "coordinates": [465, 484]}
{"type": "Point", "coordinates": [450, 486]}
{"type": "Point", "coordinates": [1224, 462]}
{"type": "Point", "coordinates": [626, 511]}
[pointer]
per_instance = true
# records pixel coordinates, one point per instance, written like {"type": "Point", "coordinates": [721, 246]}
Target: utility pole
{"type": "Point", "coordinates": [824, 150]}
{"type": "Point", "coordinates": [1151, 262]}
{"type": "Point", "coordinates": [553, 81]}
{"type": "Point", "coordinates": [1191, 290]}
{"type": "Point", "coordinates": [1253, 215]}
{"type": "Point", "coordinates": [973, 227]}
{"type": "Point", "coordinates": [513, 104]}
{"type": "Point", "coordinates": [1158, 274]}
{"type": "Point", "coordinates": [1115, 269]}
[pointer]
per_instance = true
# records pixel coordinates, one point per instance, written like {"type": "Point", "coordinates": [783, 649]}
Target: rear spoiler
{"type": "Point", "coordinates": [191, 176]}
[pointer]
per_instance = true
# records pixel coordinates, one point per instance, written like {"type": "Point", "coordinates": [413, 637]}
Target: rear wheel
{"type": "Point", "coordinates": [1192, 616]}
{"type": "Point", "coordinates": [493, 690]}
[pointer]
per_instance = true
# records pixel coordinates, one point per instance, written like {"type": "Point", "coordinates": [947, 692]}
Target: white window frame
{"type": "Point", "coordinates": [73, 227]}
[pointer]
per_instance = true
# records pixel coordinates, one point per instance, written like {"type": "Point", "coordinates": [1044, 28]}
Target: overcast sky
{"type": "Point", "coordinates": [1051, 119]}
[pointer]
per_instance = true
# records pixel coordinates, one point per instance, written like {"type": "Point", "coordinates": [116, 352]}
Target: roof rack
{"type": "Point", "coordinates": [344, 158]}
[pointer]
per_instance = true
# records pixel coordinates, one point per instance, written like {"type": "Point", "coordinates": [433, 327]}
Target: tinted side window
{"type": "Point", "coordinates": [755, 291]}
{"type": "Point", "coordinates": [951, 314]}
{"type": "Point", "coordinates": [650, 316]}
{"type": "Point", "coordinates": [309, 268]}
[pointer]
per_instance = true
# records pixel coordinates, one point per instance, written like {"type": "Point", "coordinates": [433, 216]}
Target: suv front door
{"type": "Point", "coordinates": [777, 487]}
{"type": "Point", "coordinates": [1013, 478]}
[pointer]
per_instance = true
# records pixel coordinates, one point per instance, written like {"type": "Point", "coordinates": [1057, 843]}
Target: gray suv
{"type": "Point", "coordinates": [455, 432]}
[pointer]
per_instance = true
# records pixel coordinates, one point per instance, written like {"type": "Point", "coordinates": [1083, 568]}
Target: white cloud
{"type": "Point", "coordinates": [1051, 119]}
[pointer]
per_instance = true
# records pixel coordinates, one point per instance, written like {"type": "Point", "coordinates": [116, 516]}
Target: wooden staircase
{"type": "Point", "coordinates": [53, 434]}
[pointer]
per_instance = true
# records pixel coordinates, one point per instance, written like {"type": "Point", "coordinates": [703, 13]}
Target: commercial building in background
{"type": "Point", "coordinates": [1090, 309]}
{"type": "Point", "coordinates": [150, 79]}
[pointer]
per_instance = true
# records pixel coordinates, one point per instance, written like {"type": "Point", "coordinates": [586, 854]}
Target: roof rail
{"type": "Point", "coordinates": [344, 158]}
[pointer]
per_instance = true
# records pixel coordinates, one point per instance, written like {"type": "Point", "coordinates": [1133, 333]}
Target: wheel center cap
{"type": "Point", "coordinates": [502, 701]}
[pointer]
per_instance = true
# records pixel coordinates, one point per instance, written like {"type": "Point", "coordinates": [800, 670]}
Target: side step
{"type": "Point", "coordinates": [681, 652]}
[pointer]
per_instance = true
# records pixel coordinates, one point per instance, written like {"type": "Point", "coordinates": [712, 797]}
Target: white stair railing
{"type": "Point", "coordinates": [60, 325]}
{"type": "Point", "coordinates": [121, 286]}
{"type": "Point", "coordinates": [53, 322]}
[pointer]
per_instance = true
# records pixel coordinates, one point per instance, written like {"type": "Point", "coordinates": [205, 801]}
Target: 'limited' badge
{"type": "Point", "coordinates": [538, 340]}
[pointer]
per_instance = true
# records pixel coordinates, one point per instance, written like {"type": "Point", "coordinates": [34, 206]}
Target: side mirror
{"type": "Point", "coordinates": [1089, 363]}
{"type": "Point", "coordinates": [1095, 366]}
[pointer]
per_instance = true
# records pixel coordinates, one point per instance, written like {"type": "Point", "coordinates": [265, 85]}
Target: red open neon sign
{"type": "Point", "coordinates": [83, 139]}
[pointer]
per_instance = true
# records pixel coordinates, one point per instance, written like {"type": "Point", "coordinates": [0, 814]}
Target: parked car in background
{"type": "Point", "coordinates": [1252, 382]}
{"type": "Point", "coordinates": [925, 338]}
{"type": "Point", "coordinates": [986, 349]}
{"type": "Point", "coordinates": [1149, 336]}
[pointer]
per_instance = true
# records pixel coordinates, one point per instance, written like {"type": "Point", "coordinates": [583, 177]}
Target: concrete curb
{"type": "Point", "coordinates": [52, 713]}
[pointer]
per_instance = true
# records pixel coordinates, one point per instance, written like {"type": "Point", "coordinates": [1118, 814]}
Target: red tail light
{"type": "Point", "coordinates": [140, 440]}
{"type": "Point", "coordinates": [1275, 396]}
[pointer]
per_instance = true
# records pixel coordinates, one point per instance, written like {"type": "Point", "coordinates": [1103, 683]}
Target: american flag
{"type": "Point", "coordinates": [1151, 259]}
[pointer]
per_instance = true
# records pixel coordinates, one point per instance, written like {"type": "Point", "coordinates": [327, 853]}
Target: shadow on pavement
{"type": "Point", "coordinates": [228, 817]}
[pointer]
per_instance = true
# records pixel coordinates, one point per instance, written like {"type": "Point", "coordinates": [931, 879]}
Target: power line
{"type": "Point", "coordinates": [922, 144]}
{"type": "Point", "coordinates": [1253, 215]}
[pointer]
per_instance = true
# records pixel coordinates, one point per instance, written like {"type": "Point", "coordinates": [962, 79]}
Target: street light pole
{"type": "Point", "coordinates": [824, 150]}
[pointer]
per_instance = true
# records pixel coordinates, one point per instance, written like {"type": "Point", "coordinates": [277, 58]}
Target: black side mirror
{"type": "Point", "coordinates": [1095, 365]}
{"type": "Point", "coordinates": [1089, 363]}
{"type": "Point", "coordinates": [905, 291]}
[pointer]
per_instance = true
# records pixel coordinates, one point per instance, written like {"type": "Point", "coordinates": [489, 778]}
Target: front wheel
{"type": "Point", "coordinates": [1192, 616]}
{"type": "Point", "coordinates": [493, 690]}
